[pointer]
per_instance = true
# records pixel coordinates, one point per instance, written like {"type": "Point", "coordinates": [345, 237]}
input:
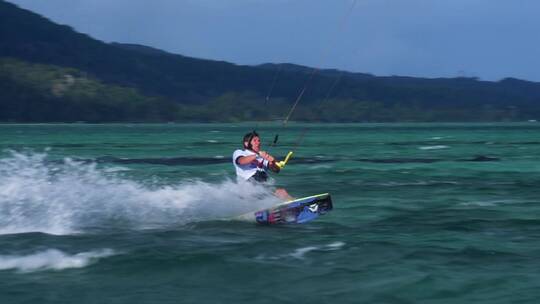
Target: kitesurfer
{"type": "Point", "coordinates": [252, 164]}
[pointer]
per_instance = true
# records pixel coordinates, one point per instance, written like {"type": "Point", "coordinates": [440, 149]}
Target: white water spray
{"type": "Point", "coordinates": [37, 195]}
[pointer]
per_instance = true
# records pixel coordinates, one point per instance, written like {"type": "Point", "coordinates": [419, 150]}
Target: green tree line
{"type": "Point", "coordinates": [49, 72]}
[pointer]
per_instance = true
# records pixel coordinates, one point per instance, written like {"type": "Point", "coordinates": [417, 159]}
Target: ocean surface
{"type": "Point", "coordinates": [126, 213]}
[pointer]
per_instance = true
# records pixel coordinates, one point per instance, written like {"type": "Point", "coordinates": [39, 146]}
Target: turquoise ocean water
{"type": "Point", "coordinates": [423, 213]}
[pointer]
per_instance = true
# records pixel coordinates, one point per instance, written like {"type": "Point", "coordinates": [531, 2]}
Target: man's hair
{"type": "Point", "coordinates": [247, 139]}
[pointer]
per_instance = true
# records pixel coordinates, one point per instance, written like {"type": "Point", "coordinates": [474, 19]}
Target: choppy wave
{"type": "Point", "coordinates": [436, 147]}
{"type": "Point", "coordinates": [51, 259]}
{"type": "Point", "coordinates": [300, 253]}
{"type": "Point", "coordinates": [73, 197]}
{"type": "Point", "coordinates": [221, 159]}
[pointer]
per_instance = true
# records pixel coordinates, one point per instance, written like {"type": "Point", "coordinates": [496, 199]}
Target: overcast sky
{"type": "Point", "coordinates": [489, 39]}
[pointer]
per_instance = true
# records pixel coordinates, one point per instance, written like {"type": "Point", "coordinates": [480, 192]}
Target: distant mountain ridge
{"type": "Point", "coordinates": [143, 49]}
{"type": "Point", "coordinates": [201, 86]}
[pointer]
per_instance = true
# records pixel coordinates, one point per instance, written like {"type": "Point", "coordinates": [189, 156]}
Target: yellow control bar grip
{"type": "Point", "coordinates": [282, 163]}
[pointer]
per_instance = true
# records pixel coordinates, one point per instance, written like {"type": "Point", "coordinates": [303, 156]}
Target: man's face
{"type": "Point", "coordinates": [256, 144]}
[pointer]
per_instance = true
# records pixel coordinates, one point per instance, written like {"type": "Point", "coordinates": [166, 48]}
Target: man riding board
{"type": "Point", "coordinates": [252, 164]}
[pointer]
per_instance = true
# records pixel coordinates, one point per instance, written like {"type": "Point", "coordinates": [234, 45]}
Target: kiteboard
{"type": "Point", "coordinates": [297, 211]}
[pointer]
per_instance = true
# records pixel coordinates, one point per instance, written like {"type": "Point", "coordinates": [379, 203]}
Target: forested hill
{"type": "Point", "coordinates": [180, 88]}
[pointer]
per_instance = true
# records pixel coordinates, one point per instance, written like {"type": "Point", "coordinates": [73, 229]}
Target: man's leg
{"type": "Point", "coordinates": [282, 194]}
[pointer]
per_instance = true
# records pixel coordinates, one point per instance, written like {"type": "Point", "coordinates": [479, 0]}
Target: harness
{"type": "Point", "coordinates": [259, 176]}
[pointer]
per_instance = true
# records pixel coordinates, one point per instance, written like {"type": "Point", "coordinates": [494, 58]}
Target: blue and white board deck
{"type": "Point", "coordinates": [297, 211]}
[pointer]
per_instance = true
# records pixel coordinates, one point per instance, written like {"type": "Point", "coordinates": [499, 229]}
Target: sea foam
{"type": "Point", "coordinates": [51, 259]}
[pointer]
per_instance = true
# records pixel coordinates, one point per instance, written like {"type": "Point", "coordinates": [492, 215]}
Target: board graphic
{"type": "Point", "coordinates": [297, 211]}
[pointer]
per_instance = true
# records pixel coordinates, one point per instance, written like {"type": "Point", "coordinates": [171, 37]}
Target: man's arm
{"type": "Point", "coordinates": [274, 167]}
{"type": "Point", "coordinates": [271, 161]}
{"type": "Point", "coordinates": [246, 160]}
